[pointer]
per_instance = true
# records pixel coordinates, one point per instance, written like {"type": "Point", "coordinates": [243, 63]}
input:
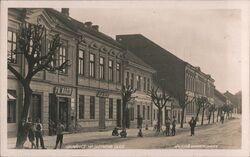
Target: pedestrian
{"type": "Point", "coordinates": [115, 132]}
{"type": "Point", "coordinates": [167, 123]}
{"type": "Point", "coordinates": [192, 124]}
{"type": "Point", "coordinates": [222, 118]}
{"type": "Point", "coordinates": [31, 134]}
{"type": "Point", "coordinates": [140, 133]}
{"type": "Point", "coordinates": [123, 133]}
{"type": "Point", "coordinates": [59, 132]}
{"type": "Point", "coordinates": [38, 134]}
{"type": "Point", "coordinates": [173, 126]}
{"type": "Point", "coordinates": [139, 122]}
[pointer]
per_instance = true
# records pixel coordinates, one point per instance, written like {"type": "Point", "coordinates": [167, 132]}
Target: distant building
{"type": "Point", "coordinates": [181, 77]}
{"type": "Point", "coordinates": [235, 100]}
{"type": "Point", "coordinates": [138, 75]}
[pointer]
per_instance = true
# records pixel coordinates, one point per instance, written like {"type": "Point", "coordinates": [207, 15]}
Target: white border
{"type": "Point", "coordinates": [242, 5]}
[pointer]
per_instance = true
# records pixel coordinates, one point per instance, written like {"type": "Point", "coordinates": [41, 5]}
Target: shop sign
{"type": "Point", "coordinates": [102, 93]}
{"type": "Point", "coordinates": [59, 90]}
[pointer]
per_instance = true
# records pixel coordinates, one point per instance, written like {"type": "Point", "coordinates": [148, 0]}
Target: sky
{"type": "Point", "coordinates": [210, 39]}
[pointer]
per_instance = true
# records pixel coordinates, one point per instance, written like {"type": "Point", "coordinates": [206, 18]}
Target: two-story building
{"type": "Point", "coordinates": [138, 75]}
{"type": "Point", "coordinates": [84, 96]}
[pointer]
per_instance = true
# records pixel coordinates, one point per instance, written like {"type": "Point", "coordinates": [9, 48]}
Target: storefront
{"type": "Point", "coordinates": [60, 108]}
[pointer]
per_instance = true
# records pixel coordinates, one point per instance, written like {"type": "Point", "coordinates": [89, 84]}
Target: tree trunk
{"type": "Point", "coordinates": [197, 114]}
{"type": "Point", "coordinates": [182, 116]}
{"type": "Point", "coordinates": [159, 120]}
{"type": "Point", "coordinates": [21, 133]}
{"type": "Point", "coordinates": [218, 111]}
{"type": "Point", "coordinates": [209, 117]}
{"type": "Point", "coordinates": [213, 116]}
{"type": "Point", "coordinates": [124, 115]}
{"type": "Point", "coordinates": [203, 111]}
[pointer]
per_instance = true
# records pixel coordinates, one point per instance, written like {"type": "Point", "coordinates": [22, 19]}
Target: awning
{"type": "Point", "coordinates": [10, 97]}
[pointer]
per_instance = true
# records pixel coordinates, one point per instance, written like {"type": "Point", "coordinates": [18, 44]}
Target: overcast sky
{"type": "Point", "coordinates": [206, 38]}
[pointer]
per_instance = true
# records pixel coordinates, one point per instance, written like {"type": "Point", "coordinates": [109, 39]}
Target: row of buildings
{"type": "Point", "coordinates": [86, 95]}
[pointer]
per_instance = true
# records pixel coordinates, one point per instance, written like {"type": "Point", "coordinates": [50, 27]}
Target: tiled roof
{"type": "Point", "coordinates": [75, 26]}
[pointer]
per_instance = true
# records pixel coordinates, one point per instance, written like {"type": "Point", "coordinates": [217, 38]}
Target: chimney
{"type": "Point", "coordinates": [95, 27]}
{"type": "Point", "coordinates": [88, 24]}
{"type": "Point", "coordinates": [65, 11]}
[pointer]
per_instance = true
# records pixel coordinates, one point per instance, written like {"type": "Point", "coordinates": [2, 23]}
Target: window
{"type": "Point", "coordinates": [81, 63]}
{"type": "Point", "coordinates": [127, 79]}
{"type": "Point", "coordinates": [92, 107]}
{"type": "Point", "coordinates": [81, 107]}
{"type": "Point", "coordinates": [101, 66]}
{"type": "Point", "coordinates": [62, 57]}
{"type": "Point", "coordinates": [138, 79]}
{"type": "Point", "coordinates": [132, 117]}
{"type": "Point", "coordinates": [132, 80]}
{"type": "Point", "coordinates": [138, 111]}
{"type": "Point", "coordinates": [11, 109]}
{"type": "Point", "coordinates": [110, 108]}
{"type": "Point", "coordinates": [118, 72]}
{"type": "Point", "coordinates": [148, 84]}
{"type": "Point", "coordinates": [92, 65]}
{"type": "Point", "coordinates": [144, 83]}
{"type": "Point", "coordinates": [36, 107]}
{"type": "Point", "coordinates": [143, 112]}
{"type": "Point", "coordinates": [154, 114]}
{"type": "Point", "coordinates": [148, 112]}
{"type": "Point", "coordinates": [12, 47]}
{"type": "Point", "coordinates": [110, 70]}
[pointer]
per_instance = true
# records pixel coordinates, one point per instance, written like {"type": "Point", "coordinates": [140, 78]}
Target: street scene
{"type": "Point", "coordinates": [123, 84]}
{"type": "Point", "coordinates": [216, 136]}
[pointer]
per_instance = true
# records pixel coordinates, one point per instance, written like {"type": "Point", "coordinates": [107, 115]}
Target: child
{"type": "Point", "coordinates": [59, 132]}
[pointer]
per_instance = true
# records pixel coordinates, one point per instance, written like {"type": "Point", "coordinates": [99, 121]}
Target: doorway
{"type": "Point", "coordinates": [118, 113]}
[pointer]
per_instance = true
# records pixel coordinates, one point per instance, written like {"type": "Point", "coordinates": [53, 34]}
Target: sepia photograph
{"type": "Point", "coordinates": [125, 78]}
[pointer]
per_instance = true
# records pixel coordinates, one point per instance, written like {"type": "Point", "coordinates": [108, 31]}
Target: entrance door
{"type": "Point", "coordinates": [52, 113]}
{"type": "Point", "coordinates": [118, 113]}
{"type": "Point", "coordinates": [102, 113]}
{"type": "Point", "coordinates": [63, 111]}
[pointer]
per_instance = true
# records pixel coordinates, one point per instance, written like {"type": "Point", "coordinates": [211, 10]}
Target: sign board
{"type": "Point", "coordinates": [102, 93]}
{"type": "Point", "coordinates": [59, 90]}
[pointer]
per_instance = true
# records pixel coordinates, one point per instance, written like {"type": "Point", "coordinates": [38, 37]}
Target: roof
{"type": "Point", "coordinates": [219, 95]}
{"type": "Point", "coordinates": [75, 26]}
{"type": "Point", "coordinates": [132, 57]}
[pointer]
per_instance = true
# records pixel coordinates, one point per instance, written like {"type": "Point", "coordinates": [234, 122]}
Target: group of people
{"type": "Point", "coordinates": [168, 123]}
{"type": "Point", "coordinates": [34, 131]}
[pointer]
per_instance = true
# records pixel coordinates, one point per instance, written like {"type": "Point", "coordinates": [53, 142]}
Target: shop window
{"type": "Point", "coordinates": [11, 109]}
{"type": "Point", "coordinates": [148, 112]}
{"type": "Point", "coordinates": [138, 111]}
{"type": "Point", "coordinates": [143, 112]}
{"type": "Point", "coordinates": [110, 108]}
{"type": "Point", "coordinates": [92, 107]}
{"type": "Point", "coordinates": [132, 110]}
{"type": "Point", "coordinates": [35, 108]}
{"type": "Point", "coordinates": [81, 107]}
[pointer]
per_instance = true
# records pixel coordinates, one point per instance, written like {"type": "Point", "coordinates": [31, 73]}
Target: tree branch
{"type": "Point", "coordinates": [17, 74]}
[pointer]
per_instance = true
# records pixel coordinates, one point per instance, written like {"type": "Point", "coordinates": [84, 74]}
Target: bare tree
{"type": "Point", "coordinates": [126, 93]}
{"type": "Point", "coordinates": [29, 39]}
{"type": "Point", "coordinates": [211, 110]}
{"type": "Point", "coordinates": [183, 104]}
{"type": "Point", "coordinates": [160, 97]}
{"type": "Point", "coordinates": [200, 102]}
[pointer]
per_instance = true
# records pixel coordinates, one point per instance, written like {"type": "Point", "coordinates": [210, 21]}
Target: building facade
{"type": "Point", "coordinates": [86, 95]}
{"type": "Point", "coordinates": [181, 77]}
{"type": "Point", "coordinates": [139, 75]}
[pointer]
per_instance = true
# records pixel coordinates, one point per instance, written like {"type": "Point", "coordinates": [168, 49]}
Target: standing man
{"type": "Point", "coordinates": [173, 126]}
{"type": "Point", "coordinates": [31, 134]}
{"type": "Point", "coordinates": [168, 123]}
{"type": "Point", "coordinates": [222, 117]}
{"type": "Point", "coordinates": [192, 124]}
{"type": "Point", "coordinates": [59, 132]}
{"type": "Point", "coordinates": [39, 135]}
